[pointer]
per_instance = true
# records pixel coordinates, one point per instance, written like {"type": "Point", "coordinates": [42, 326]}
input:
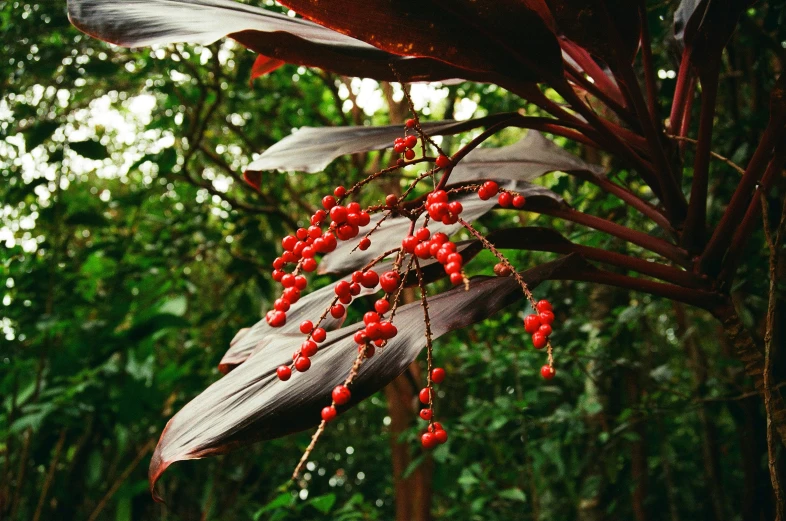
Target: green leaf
{"type": "Point", "coordinates": [90, 149]}
{"type": "Point", "coordinates": [513, 494]}
{"type": "Point", "coordinates": [282, 500]}
{"type": "Point", "coordinates": [323, 503]}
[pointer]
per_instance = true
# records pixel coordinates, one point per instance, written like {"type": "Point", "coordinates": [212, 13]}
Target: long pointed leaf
{"type": "Point", "coordinates": [251, 403]}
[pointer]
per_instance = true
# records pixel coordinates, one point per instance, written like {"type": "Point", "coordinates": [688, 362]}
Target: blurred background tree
{"type": "Point", "coordinates": [133, 252]}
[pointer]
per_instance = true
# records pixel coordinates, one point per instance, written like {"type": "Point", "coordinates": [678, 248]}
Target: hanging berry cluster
{"type": "Point", "coordinates": [341, 222]}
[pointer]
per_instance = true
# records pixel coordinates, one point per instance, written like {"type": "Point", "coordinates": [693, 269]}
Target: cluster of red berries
{"type": "Point", "coordinates": [505, 199]}
{"type": "Point", "coordinates": [436, 434]}
{"type": "Point", "coordinates": [440, 209]}
{"type": "Point", "coordinates": [405, 145]}
{"type": "Point", "coordinates": [301, 248]}
{"type": "Point", "coordinates": [426, 246]}
{"type": "Point", "coordinates": [539, 326]}
{"type": "Point", "coordinates": [341, 396]}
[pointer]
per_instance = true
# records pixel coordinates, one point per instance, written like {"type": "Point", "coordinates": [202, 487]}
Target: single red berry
{"type": "Point", "coordinates": [337, 311]}
{"type": "Point", "coordinates": [438, 375]}
{"type": "Point", "coordinates": [318, 217]}
{"type": "Point", "coordinates": [519, 201]}
{"type": "Point", "coordinates": [370, 316]}
{"type": "Point", "coordinates": [345, 299]}
{"type": "Point", "coordinates": [443, 161]}
{"type": "Point", "coordinates": [283, 373]}
{"type": "Point", "coordinates": [426, 414]}
{"type": "Point", "coordinates": [314, 231]}
{"type": "Point", "coordinates": [329, 413]}
{"type": "Point", "coordinates": [278, 263]}
{"type": "Point", "coordinates": [439, 238]}
{"type": "Point", "coordinates": [367, 350]}
{"type": "Point", "coordinates": [340, 191]}
{"type": "Point", "coordinates": [309, 348]}
{"type": "Point", "coordinates": [391, 200]}
{"type": "Point", "coordinates": [289, 242]}
{"type": "Point", "coordinates": [491, 187]}
{"type": "Point", "coordinates": [410, 123]}
{"type": "Point", "coordinates": [342, 287]}
{"type": "Point", "coordinates": [411, 141]}
{"type": "Point", "coordinates": [374, 330]}
{"type": "Point", "coordinates": [422, 250]}
{"type": "Point", "coordinates": [455, 208]}
{"type": "Point", "coordinates": [382, 306]}
{"type": "Point", "coordinates": [409, 154]}
{"type": "Point", "coordinates": [309, 265]}
{"type": "Point", "coordinates": [545, 330]}
{"type": "Point", "coordinates": [319, 335]}
{"type": "Point", "coordinates": [441, 435]}
{"type": "Point", "coordinates": [341, 394]}
{"type": "Point", "coordinates": [301, 282]}
{"type": "Point", "coordinates": [291, 294]}
{"type": "Point", "coordinates": [281, 304]}
{"type": "Point", "coordinates": [276, 318]}
{"type": "Point", "coordinates": [278, 275]}
{"type": "Point", "coordinates": [547, 372]}
{"type": "Point", "coordinates": [483, 193]}
{"type": "Point", "coordinates": [456, 278]}
{"type": "Point", "coordinates": [434, 427]}
{"type": "Point", "coordinates": [546, 317]}
{"type": "Point", "coordinates": [389, 281]}
{"type": "Point", "coordinates": [425, 395]}
{"type": "Point", "coordinates": [543, 305]}
{"type": "Point", "coordinates": [363, 218]}
{"type": "Point", "coordinates": [301, 233]}
{"type": "Point", "coordinates": [423, 234]}
{"type": "Point", "coordinates": [505, 200]}
{"type": "Point", "coordinates": [409, 243]}
{"type": "Point", "coordinates": [306, 326]}
{"type": "Point", "coordinates": [308, 252]}
{"type": "Point", "coordinates": [454, 257]}
{"type": "Point", "coordinates": [346, 231]}
{"type": "Point", "coordinates": [399, 147]}
{"type": "Point", "coordinates": [370, 279]}
{"type": "Point", "coordinates": [437, 196]}
{"type": "Point", "coordinates": [354, 289]}
{"type": "Point", "coordinates": [539, 340]}
{"type": "Point", "coordinates": [452, 267]}
{"type": "Point", "coordinates": [354, 207]}
{"type": "Point", "coordinates": [338, 214]}
{"type": "Point", "coordinates": [360, 337]}
{"type": "Point", "coordinates": [531, 323]}
{"type": "Point", "coordinates": [357, 276]}
{"type": "Point", "coordinates": [428, 440]}
{"type": "Point", "coordinates": [388, 329]}
{"type": "Point", "coordinates": [364, 243]}
{"type": "Point", "coordinates": [302, 364]}
{"type": "Point", "coordinates": [328, 202]}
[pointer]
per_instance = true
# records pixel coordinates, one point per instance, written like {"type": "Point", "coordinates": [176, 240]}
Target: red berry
{"type": "Point", "coordinates": [452, 267]}
{"type": "Point", "coordinates": [342, 287]}
{"type": "Point", "coordinates": [422, 250]}
{"type": "Point", "coordinates": [456, 278]}
{"type": "Point", "coordinates": [345, 299]}
{"type": "Point", "coordinates": [338, 214]}
{"type": "Point", "coordinates": [337, 311]}
{"type": "Point", "coordinates": [354, 207]}
{"type": "Point", "coordinates": [319, 335]}
{"type": "Point", "coordinates": [341, 394]}
{"type": "Point", "coordinates": [309, 265]}
{"type": "Point", "coordinates": [410, 123]}
{"type": "Point", "coordinates": [491, 187]}
{"type": "Point", "coordinates": [519, 201]}
{"type": "Point", "coordinates": [368, 351]}
{"type": "Point", "coordinates": [545, 330]}
{"type": "Point", "coordinates": [340, 191]}
{"type": "Point", "coordinates": [422, 234]}
{"type": "Point", "coordinates": [391, 200]}
{"type": "Point", "coordinates": [543, 305]}
{"type": "Point", "coordinates": [409, 243]}
{"type": "Point", "coordinates": [389, 281]}
{"type": "Point", "coordinates": [374, 330]}
{"type": "Point", "coordinates": [317, 218]}
{"type": "Point", "coordinates": [357, 277]}
{"type": "Point", "coordinates": [409, 154]}
{"type": "Point", "coordinates": [281, 305]}
{"type": "Point", "coordinates": [370, 317]}
{"type": "Point", "coordinates": [364, 243]}
{"type": "Point", "coordinates": [354, 289]}
{"type": "Point", "coordinates": [531, 324]}
{"type": "Point", "coordinates": [306, 326]}
{"type": "Point", "coordinates": [438, 375]}
{"type": "Point", "coordinates": [483, 193]}
{"type": "Point", "coordinates": [505, 200]}
{"type": "Point", "coordinates": [308, 348]}
{"type": "Point", "coordinates": [437, 196]}
{"type": "Point", "coordinates": [411, 141]}
{"type": "Point", "coordinates": [434, 427]}
{"type": "Point", "coordinates": [370, 279]}
{"type": "Point", "coordinates": [388, 329]}
{"type": "Point", "coordinates": [439, 238]}
{"type": "Point", "coordinates": [302, 364]}
{"type": "Point", "coordinates": [278, 275]}
{"type": "Point", "coordinates": [382, 306]}
{"type": "Point", "coordinates": [328, 202]}
{"type": "Point", "coordinates": [455, 208]}
{"type": "Point", "coordinates": [278, 263]}
{"type": "Point", "coordinates": [363, 218]}
{"type": "Point", "coordinates": [426, 414]}
{"type": "Point", "coordinates": [547, 372]}
{"type": "Point", "coordinates": [360, 337]}
{"type": "Point", "coordinates": [425, 395]}
{"type": "Point", "coordinates": [283, 373]}
{"type": "Point", "coordinates": [301, 282]}
{"type": "Point", "coordinates": [399, 147]}
{"type": "Point", "coordinates": [329, 413]}
{"type": "Point", "coordinates": [289, 242]}
{"type": "Point", "coordinates": [443, 161]}
{"type": "Point", "coordinates": [546, 317]}
{"type": "Point", "coordinates": [291, 294]}
{"type": "Point", "coordinates": [539, 340]}
{"type": "Point", "coordinates": [301, 233]}
{"type": "Point", "coordinates": [276, 318]}
{"type": "Point", "coordinates": [428, 440]}
{"type": "Point", "coordinates": [441, 435]}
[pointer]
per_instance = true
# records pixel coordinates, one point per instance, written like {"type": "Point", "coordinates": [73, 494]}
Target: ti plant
{"type": "Point", "coordinates": [595, 59]}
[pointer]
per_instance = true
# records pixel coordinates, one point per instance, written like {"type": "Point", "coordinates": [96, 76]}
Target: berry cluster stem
{"type": "Point", "coordinates": [427, 320]}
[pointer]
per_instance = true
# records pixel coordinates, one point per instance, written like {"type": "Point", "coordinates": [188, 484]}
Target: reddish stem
{"type": "Point", "coordinates": [646, 62]}
{"type": "Point", "coordinates": [593, 70]}
{"type": "Point", "coordinates": [681, 92]}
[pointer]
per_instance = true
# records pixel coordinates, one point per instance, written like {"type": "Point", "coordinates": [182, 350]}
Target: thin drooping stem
{"type": "Point", "coordinates": [775, 247]}
{"type": "Point", "coordinates": [681, 92]}
{"type": "Point", "coordinates": [734, 166]}
{"type": "Point", "coordinates": [429, 346]}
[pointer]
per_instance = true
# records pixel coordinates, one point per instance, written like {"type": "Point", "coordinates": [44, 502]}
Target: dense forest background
{"type": "Point", "coordinates": [132, 252]}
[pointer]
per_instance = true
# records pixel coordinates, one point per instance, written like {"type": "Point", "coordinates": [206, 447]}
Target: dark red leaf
{"type": "Point", "coordinates": [251, 403]}
{"type": "Point", "coordinates": [263, 65]}
{"type": "Point", "coordinates": [138, 23]}
{"type": "Point", "coordinates": [312, 149]}
{"type": "Point", "coordinates": [709, 28]}
{"type": "Point", "coordinates": [609, 30]}
{"type": "Point", "coordinates": [510, 38]}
